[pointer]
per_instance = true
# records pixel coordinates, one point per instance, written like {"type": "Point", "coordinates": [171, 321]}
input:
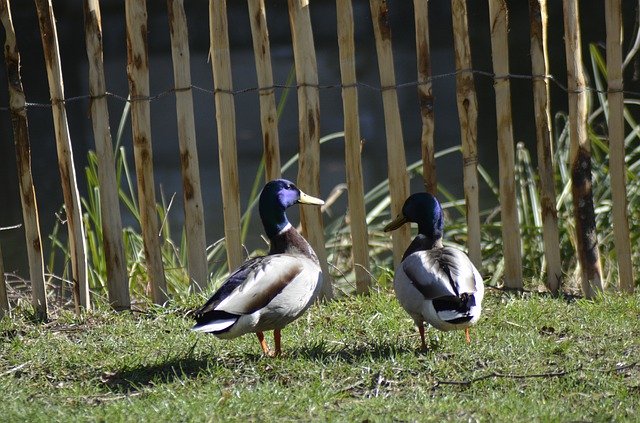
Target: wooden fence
{"type": "Point", "coordinates": [309, 123]}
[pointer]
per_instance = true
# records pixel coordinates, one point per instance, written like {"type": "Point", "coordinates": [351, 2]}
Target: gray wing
{"type": "Point", "coordinates": [440, 272]}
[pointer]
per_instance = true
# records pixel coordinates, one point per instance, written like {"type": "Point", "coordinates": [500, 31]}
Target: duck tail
{"type": "Point", "coordinates": [215, 322]}
{"type": "Point", "coordinates": [455, 309]}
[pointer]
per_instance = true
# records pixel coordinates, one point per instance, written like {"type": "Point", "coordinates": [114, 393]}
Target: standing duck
{"type": "Point", "coordinates": [268, 292]}
{"type": "Point", "coordinates": [433, 283]}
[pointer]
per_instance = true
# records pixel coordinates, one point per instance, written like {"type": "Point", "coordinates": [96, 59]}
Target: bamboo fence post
{"type": "Point", "coordinates": [580, 154]}
{"type": "Point", "coordinates": [268, 110]}
{"type": "Point", "coordinates": [468, 116]}
{"type": "Point", "coordinates": [511, 247]}
{"type": "Point", "coordinates": [138, 74]}
{"type": "Point", "coordinates": [355, 185]}
{"type": "Point", "coordinates": [398, 177]}
{"type": "Point", "coordinates": [542, 108]}
{"type": "Point", "coordinates": [4, 300]}
{"type": "Point", "coordinates": [425, 95]}
{"type": "Point", "coordinates": [613, 17]}
{"type": "Point", "coordinates": [118, 280]}
{"type": "Point", "coordinates": [226, 122]}
{"type": "Point", "coordinates": [309, 126]}
{"type": "Point", "coordinates": [75, 225]}
{"type": "Point", "coordinates": [192, 195]}
{"type": "Point", "coordinates": [20, 125]}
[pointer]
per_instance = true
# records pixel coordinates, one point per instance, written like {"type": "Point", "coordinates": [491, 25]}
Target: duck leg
{"type": "Point", "coordinates": [277, 336]}
{"type": "Point", "coordinates": [421, 330]}
{"type": "Point", "coordinates": [466, 333]}
{"type": "Point", "coordinates": [263, 343]}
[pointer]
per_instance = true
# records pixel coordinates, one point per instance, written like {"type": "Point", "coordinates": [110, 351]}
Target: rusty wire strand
{"type": "Point", "coordinates": [429, 80]}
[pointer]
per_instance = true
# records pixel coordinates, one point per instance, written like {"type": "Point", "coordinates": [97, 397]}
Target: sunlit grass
{"type": "Point", "coordinates": [353, 359]}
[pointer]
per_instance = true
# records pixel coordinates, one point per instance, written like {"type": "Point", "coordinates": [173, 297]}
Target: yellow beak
{"type": "Point", "coordinates": [396, 223]}
{"type": "Point", "coordinates": [307, 199]}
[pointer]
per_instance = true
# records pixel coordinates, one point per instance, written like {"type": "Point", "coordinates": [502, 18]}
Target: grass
{"type": "Point", "coordinates": [353, 359]}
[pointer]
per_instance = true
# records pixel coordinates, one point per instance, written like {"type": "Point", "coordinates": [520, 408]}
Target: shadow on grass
{"type": "Point", "coordinates": [136, 378]}
{"type": "Point", "coordinates": [350, 354]}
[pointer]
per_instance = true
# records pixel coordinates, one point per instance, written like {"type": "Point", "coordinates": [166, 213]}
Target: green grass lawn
{"type": "Point", "coordinates": [349, 360]}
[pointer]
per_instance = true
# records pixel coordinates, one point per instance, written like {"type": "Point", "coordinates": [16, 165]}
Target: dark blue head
{"type": "Point", "coordinates": [425, 210]}
{"type": "Point", "coordinates": [276, 197]}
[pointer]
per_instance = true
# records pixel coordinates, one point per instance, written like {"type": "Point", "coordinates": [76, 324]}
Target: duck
{"type": "Point", "coordinates": [267, 292]}
{"type": "Point", "coordinates": [434, 283]}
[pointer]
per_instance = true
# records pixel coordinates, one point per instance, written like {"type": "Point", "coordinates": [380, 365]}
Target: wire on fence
{"type": "Point", "coordinates": [491, 75]}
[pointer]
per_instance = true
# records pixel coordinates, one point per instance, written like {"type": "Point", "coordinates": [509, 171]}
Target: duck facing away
{"type": "Point", "coordinates": [268, 292]}
{"type": "Point", "coordinates": [433, 283]}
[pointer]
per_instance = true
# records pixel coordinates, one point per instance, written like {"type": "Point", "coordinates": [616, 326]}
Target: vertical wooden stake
{"type": "Point", "coordinates": [580, 154]}
{"type": "Point", "coordinates": [425, 95]}
{"type": "Point", "coordinates": [268, 110]}
{"type": "Point", "coordinates": [192, 196]}
{"type": "Point", "coordinates": [508, 208]}
{"type": "Point", "coordinates": [355, 185]}
{"type": "Point", "coordinates": [226, 121]}
{"type": "Point", "coordinates": [19, 122]}
{"type": "Point", "coordinates": [75, 225]}
{"type": "Point", "coordinates": [118, 280]}
{"type": "Point", "coordinates": [309, 127]}
{"type": "Point", "coordinates": [138, 74]}
{"type": "Point", "coordinates": [542, 109]}
{"type": "Point", "coordinates": [468, 116]}
{"type": "Point", "coordinates": [613, 16]}
{"type": "Point", "coordinates": [398, 177]}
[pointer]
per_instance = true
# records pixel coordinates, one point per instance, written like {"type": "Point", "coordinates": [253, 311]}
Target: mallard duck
{"type": "Point", "coordinates": [268, 292]}
{"type": "Point", "coordinates": [433, 283]}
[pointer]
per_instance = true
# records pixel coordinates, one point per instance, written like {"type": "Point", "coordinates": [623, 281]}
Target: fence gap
{"type": "Point", "coordinates": [506, 162]}
{"type": "Point", "coordinates": [116, 261]}
{"type": "Point", "coordinates": [75, 225]}
{"type": "Point", "coordinates": [191, 193]}
{"type": "Point", "coordinates": [397, 162]}
{"type": "Point", "coordinates": [425, 95]}
{"type": "Point", "coordinates": [542, 110]}
{"type": "Point", "coordinates": [304, 55]}
{"type": "Point", "coordinates": [138, 74]}
{"type": "Point", "coordinates": [615, 100]}
{"type": "Point", "coordinates": [264, 71]}
{"type": "Point", "coordinates": [20, 126]}
{"type": "Point", "coordinates": [226, 123]}
{"type": "Point", "coordinates": [468, 116]}
{"type": "Point", "coordinates": [580, 155]}
{"type": "Point", "coordinates": [352, 145]}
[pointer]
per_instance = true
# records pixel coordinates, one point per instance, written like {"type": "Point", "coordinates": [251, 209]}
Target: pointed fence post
{"type": "Point", "coordinates": [511, 247]}
{"type": "Point", "coordinates": [138, 74]}
{"type": "Point", "coordinates": [19, 123]}
{"type": "Point", "coordinates": [542, 109]}
{"type": "Point", "coordinates": [425, 95]}
{"type": "Point", "coordinates": [268, 110]}
{"type": "Point", "coordinates": [309, 127]}
{"type": "Point", "coordinates": [75, 225]}
{"type": "Point", "coordinates": [468, 116]}
{"type": "Point", "coordinates": [226, 122]}
{"type": "Point", "coordinates": [117, 277]}
{"type": "Point", "coordinates": [192, 196]}
{"type": "Point", "coordinates": [397, 162]}
{"type": "Point", "coordinates": [617, 167]}
{"type": "Point", "coordinates": [355, 184]}
{"type": "Point", "coordinates": [580, 155]}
